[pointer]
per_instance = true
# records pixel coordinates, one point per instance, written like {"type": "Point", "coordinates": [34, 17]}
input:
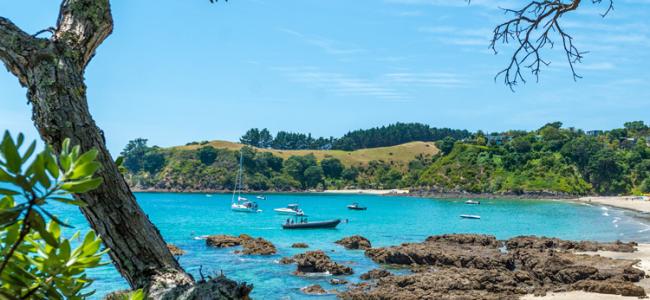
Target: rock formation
{"type": "Point", "coordinates": [354, 242]}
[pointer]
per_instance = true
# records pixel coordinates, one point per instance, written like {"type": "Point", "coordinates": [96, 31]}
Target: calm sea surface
{"type": "Point", "coordinates": [388, 221]}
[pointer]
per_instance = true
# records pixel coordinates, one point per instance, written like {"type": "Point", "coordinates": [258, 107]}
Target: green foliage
{"type": "Point", "coordinates": [313, 175]}
{"type": "Point", "coordinates": [332, 167]}
{"type": "Point", "coordinates": [207, 155]}
{"type": "Point", "coordinates": [445, 145]}
{"type": "Point", "coordinates": [37, 262]}
{"type": "Point", "coordinates": [394, 134]}
{"type": "Point", "coordinates": [134, 153]}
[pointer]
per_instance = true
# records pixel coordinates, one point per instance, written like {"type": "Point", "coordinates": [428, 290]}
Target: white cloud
{"type": "Point", "coordinates": [328, 45]}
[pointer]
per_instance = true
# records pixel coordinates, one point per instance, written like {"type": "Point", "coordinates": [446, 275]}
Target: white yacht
{"type": "Point", "coordinates": [291, 209]}
{"type": "Point", "coordinates": [242, 204]}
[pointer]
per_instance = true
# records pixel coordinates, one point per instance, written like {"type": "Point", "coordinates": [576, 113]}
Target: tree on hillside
{"type": "Point", "coordinates": [52, 70]}
{"type": "Point", "coordinates": [266, 139]}
{"type": "Point", "coordinates": [251, 137]}
{"type": "Point", "coordinates": [207, 155]}
{"type": "Point", "coordinates": [445, 145]}
{"type": "Point", "coordinates": [133, 154]}
{"type": "Point", "coordinates": [332, 167]}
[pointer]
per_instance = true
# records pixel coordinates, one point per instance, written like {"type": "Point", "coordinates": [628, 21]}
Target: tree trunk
{"type": "Point", "coordinates": [52, 70]}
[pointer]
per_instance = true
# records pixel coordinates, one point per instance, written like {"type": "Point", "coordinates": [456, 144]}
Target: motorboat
{"type": "Point", "coordinates": [355, 206]}
{"type": "Point", "coordinates": [241, 204]}
{"type": "Point", "coordinates": [470, 216]}
{"type": "Point", "coordinates": [291, 209]}
{"type": "Point", "coordinates": [261, 197]}
{"type": "Point", "coordinates": [472, 202]}
{"type": "Point", "coordinates": [311, 225]}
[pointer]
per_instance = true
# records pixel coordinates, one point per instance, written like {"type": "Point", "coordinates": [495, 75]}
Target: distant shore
{"type": "Point", "coordinates": [636, 203]}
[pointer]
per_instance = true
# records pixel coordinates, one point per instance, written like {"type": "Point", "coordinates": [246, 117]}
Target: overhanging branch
{"type": "Point", "coordinates": [15, 48]}
{"type": "Point", "coordinates": [532, 29]}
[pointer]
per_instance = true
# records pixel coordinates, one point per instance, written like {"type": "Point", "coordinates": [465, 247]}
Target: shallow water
{"type": "Point", "coordinates": [388, 221]}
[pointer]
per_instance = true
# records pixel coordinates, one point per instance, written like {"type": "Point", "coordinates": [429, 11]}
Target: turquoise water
{"type": "Point", "coordinates": [388, 221]}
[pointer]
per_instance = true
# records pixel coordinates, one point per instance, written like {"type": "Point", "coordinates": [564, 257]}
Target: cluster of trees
{"type": "Point", "coordinates": [551, 158]}
{"type": "Point", "coordinates": [137, 156]}
{"type": "Point", "coordinates": [394, 134]}
{"type": "Point", "coordinates": [209, 168]}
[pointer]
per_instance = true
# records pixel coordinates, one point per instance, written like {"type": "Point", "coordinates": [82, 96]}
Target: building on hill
{"type": "Point", "coordinates": [497, 139]}
{"type": "Point", "coordinates": [594, 132]}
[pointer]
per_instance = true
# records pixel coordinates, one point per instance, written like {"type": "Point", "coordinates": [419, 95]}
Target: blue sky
{"type": "Point", "coordinates": [180, 71]}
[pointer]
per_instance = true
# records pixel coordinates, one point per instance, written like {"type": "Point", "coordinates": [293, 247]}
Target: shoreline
{"type": "Point", "coordinates": [642, 254]}
{"type": "Point", "coordinates": [639, 204]}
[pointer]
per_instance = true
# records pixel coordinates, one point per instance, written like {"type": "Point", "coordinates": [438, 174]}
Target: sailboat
{"type": "Point", "coordinates": [242, 204]}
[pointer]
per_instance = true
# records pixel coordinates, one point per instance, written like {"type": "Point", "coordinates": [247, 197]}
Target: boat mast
{"type": "Point", "coordinates": [238, 180]}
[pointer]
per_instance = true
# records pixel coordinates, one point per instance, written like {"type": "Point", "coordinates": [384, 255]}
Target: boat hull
{"type": "Point", "coordinates": [357, 208]}
{"type": "Point", "coordinates": [312, 225]}
{"type": "Point", "coordinates": [470, 217]}
{"type": "Point", "coordinates": [281, 211]}
{"type": "Point", "coordinates": [241, 208]}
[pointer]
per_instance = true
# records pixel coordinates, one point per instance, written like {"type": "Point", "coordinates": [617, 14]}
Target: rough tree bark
{"type": "Point", "coordinates": [52, 70]}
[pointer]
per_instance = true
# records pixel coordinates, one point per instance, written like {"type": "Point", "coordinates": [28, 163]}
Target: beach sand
{"type": "Point", "coordinates": [369, 192]}
{"type": "Point", "coordinates": [637, 203]}
{"type": "Point", "coordinates": [643, 254]}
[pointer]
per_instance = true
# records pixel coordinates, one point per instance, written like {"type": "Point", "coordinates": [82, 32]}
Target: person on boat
{"type": "Point", "coordinates": [288, 220]}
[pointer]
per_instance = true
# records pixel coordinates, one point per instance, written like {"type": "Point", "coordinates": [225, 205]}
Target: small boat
{"type": "Point", "coordinates": [291, 209]}
{"type": "Point", "coordinates": [242, 204]}
{"type": "Point", "coordinates": [312, 225]}
{"type": "Point", "coordinates": [470, 216]}
{"type": "Point", "coordinates": [472, 202]}
{"type": "Point", "coordinates": [261, 197]}
{"type": "Point", "coordinates": [355, 206]}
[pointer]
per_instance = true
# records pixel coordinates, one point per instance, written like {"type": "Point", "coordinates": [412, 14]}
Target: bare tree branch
{"type": "Point", "coordinates": [533, 29]}
{"type": "Point", "coordinates": [15, 48]}
{"type": "Point", "coordinates": [83, 25]}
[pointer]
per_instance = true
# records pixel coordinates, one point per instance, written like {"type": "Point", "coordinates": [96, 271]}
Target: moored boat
{"type": "Point", "coordinates": [291, 209]}
{"type": "Point", "coordinates": [470, 216]}
{"type": "Point", "coordinates": [261, 197]}
{"type": "Point", "coordinates": [312, 225]}
{"type": "Point", "coordinates": [472, 202]}
{"type": "Point", "coordinates": [242, 204]}
{"type": "Point", "coordinates": [355, 206]}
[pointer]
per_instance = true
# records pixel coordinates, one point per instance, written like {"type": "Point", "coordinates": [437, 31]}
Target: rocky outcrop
{"type": "Point", "coordinates": [175, 250]}
{"type": "Point", "coordinates": [533, 242]}
{"type": "Point", "coordinates": [299, 245]}
{"type": "Point", "coordinates": [250, 245]}
{"type": "Point", "coordinates": [318, 262]}
{"type": "Point", "coordinates": [314, 289]}
{"type": "Point", "coordinates": [338, 281]}
{"type": "Point", "coordinates": [354, 242]}
{"type": "Point", "coordinates": [473, 267]}
{"type": "Point", "coordinates": [450, 251]}
{"type": "Point", "coordinates": [375, 274]}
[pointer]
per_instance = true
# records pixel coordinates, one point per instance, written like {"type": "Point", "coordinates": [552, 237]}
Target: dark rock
{"type": "Point", "coordinates": [338, 281]}
{"type": "Point", "coordinates": [533, 242]}
{"type": "Point", "coordinates": [473, 267]}
{"type": "Point", "coordinates": [314, 289]}
{"type": "Point", "coordinates": [319, 262]}
{"type": "Point", "coordinates": [375, 274]}
{"type": "Point", "coordinates": [175, 250]}
{"type": "Point", "coordinates": [250, 245]}
{"type": "Point", "coordinates": [286, 260]}
{"type": "Point", "coordinates": [465, 239]}
{"type": "Point", "coordinates": [299, 245]}
{"type": "Point", "coordinates": [355, 242]}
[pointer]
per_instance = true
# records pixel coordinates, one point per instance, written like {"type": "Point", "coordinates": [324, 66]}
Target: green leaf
{"type": "Point", "coordinates": [36, 221]}
{"type": "Point", "coordinates": [10, 215]}
{"type": "Point", "coordinates": [10, 153]}
{"type": "Point", "coordinates": [56, 219]}
{"type": "Point", "coordinates": [65, 146]}
{"type": "Point", "coordinates": [82, 186]}
{"type": "Point", "coordinates": [8, 192]}
{"type": "Point", "coordinates": [5, 177]}
{"type": "Point", "coordinates": [29, 151]}
{"type": "Point", "coordinates": [50, 164]}
{"type": "Point", "coordinates": [87, 169]}
{"type": "Point", "coordinates": [119, 161]}
{"type": "Point", "coordinates": [87, 157]}
{"type": "Point", "coordinates": [69, 201]}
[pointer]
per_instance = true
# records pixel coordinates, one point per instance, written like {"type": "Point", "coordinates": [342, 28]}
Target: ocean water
{"type": "Point", "coordinates": [392, 220]}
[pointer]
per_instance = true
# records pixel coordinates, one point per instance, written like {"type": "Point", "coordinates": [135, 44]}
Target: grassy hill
{"type": "Point", "coordinates": [396, 155]}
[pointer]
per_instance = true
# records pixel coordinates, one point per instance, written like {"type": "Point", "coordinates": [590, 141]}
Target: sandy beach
{"type": "Point", "coordinates": [369, 192]}
{"type": "Point", "coordinates": [637, 203]}
{"type": "Point", "coordinates": [643, 254]}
